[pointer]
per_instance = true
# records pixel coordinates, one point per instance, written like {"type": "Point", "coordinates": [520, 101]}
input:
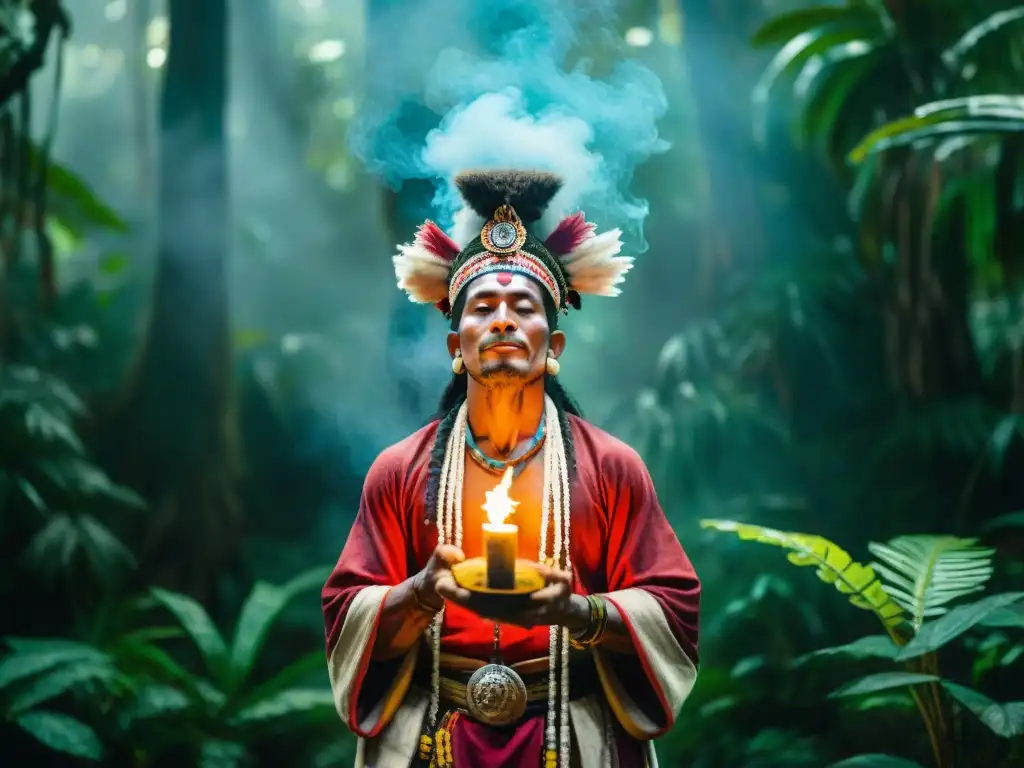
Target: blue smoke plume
{"type": "Point", "coordinates": [459, 84]}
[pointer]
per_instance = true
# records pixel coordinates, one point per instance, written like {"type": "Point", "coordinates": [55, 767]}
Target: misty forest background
{"type": "Point", "coordinates": [202, 350]}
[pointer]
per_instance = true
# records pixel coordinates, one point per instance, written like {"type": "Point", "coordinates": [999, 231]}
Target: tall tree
{"type": "Point", "coordinates": [172, 437]}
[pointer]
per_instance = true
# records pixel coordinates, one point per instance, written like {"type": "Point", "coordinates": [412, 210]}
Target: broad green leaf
{"type": "Point", "coordinates": [1009, 427]}
{"type": "Point", "coordinates": [935, 634]}
{"type": "Point", "coordinates": [998, 105]}
{"type": "Point", "coordinates": [262, 608]}
{"type": "Point", "coordinates": [785, 26]}
{"type": "Point", "coordinates": [925, 573]}
{"type": "Point", "coordinates": [31, 494]}
{"type": "Point", "coordinates": [295, 675]}
{"type": "Point", "coordinates": [46, 644]}
{"type": "Point", "coordinates": [59, 681]}
{"type": "Point", "coordinates": [870, 647]}
{"type": "Point", "coordinates": [797, 51]}
{"type": "Point", "coordinates": [152, 634]}
{"type": "Point", "coordinates": [1010, 617]}
{"type": "Point", "coordinates": [156, 663]}
{"type": "Point", "coordinates": [833, 566]}
{"type": "Point", "coordinates": [62, 734]}
{"type": "Point", "coordinates": [953, 56]}
{"type": "Point", "coordinates": [72, 198]}
{"type": "Point", "coordinates": [989, 113]}
{"type": "Point", "coordinates": [51, 427]}
{"type": "Point", "coordinates": [825, 86]}
{"type": "Point", "coordinates": [198, 625]}
{"type": "Point", "coordinates": [1009, 520]}
{"type": "Point", "coordinates": [875, 761]}
{"type": "Point", "coordinates": [307, 702]}
{"type": "Point", "coordinates": [156, 701]}
{"type": "Point", "coordinates": [65, 240]}
{"type": "Point", "coordinates": [896, 699]}
{"type": "Point", "coordinates": [221, 754]}
{"type": "Point", "coordinates": [19, 666]}
{"type": "Point", "coordinates": [883, 681]}
{"type": "Point", "coordinates": [1006, 720]}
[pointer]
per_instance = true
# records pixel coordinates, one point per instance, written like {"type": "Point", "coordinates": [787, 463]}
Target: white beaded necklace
{"type": "Point", "coordinates": [554, 514]}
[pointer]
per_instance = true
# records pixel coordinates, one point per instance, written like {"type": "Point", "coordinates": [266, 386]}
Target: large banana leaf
{"type": "Point", "coordinates": [834, 566]}
{"type": "Point", "coordinates": [926, 573]}
{"type": "Point", "coordinates": [785, 26]}
{"type": "Point", "coordinates": [983, 113]}
{"type": "Point", "coordinates": [825, 88]}
{"type": "Point", "coordinates": [798, 51]}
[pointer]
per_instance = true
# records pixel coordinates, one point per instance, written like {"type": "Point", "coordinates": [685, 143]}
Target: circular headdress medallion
{"type": "Point", "coordinates": [504, 233]}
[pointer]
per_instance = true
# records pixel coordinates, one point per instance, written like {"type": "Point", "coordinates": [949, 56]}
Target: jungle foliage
{"type": "Point", "coordinates": [883, 373]}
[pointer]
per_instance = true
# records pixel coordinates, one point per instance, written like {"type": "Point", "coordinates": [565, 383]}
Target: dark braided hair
{"type": "Point", "coordinates": [455, 394]}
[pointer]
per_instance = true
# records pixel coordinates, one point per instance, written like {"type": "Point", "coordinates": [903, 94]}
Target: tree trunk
{"type": "Point", "coordinates": [173, 436]}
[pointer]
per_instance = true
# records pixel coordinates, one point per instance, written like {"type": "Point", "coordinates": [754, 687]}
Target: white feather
{"type": "Point", "coordinates": [595, 268]}
{"type": "Point", "coordinates": [421, 274]}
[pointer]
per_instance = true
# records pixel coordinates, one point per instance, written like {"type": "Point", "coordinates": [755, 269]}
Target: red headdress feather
{"type": "Point", "coordinates": [433, 238]}
{"type": "Point", "coordinates": [423, 266]}
{"type": "Point", "coordinates": [569, 234]}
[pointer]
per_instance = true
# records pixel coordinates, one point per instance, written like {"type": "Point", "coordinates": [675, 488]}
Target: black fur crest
{"type": "Point", "coordinates": [528, 192]}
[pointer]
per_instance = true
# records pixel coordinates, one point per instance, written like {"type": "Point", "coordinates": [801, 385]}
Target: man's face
{"type": "Point", "coordinates": [503, 332]}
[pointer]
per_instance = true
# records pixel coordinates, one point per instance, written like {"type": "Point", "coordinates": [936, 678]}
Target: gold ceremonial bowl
{"type": "Point", "coordinates": [497, 603]}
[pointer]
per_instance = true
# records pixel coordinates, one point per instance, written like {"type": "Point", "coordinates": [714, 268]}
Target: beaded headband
{"type": "Point", "coordinates": [504, 214]}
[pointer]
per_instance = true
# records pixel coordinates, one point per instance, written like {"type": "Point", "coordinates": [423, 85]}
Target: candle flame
{"type": "Point", "coordinates": [499, 505]}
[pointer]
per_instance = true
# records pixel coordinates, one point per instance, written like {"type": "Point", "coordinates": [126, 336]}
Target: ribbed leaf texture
{"type": "Point", "coordinates": [924, 574]}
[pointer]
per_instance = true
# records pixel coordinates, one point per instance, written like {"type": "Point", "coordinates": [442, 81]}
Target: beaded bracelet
{"type": "Point", "coordinates": [427, 609]}
{"type": "Point", "coordinates": [592, 635]}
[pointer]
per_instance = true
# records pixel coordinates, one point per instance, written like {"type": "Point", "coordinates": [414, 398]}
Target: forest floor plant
{"type": "Point", "coordinates": [107, 678]}
{"type": "Point", "coordinates": [910, 589]}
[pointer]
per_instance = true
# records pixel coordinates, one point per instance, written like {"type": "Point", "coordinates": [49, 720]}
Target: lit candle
{"type": "Point", "coordinates": [501, 538]}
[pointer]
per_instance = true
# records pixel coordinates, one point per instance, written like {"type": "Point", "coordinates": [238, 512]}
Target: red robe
{"type": "Point", "coordinates": [621, 541]}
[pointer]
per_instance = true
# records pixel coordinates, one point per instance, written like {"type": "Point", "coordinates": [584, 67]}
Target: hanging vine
{"type": "Point", "coordinates": [27, 28]}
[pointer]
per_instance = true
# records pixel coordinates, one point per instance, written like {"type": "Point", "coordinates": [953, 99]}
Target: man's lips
{"type": "Point", "coordinates": [504, 346]}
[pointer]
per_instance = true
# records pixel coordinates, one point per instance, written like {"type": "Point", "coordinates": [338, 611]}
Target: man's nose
{"type": "Point", "coordinates": [503, 323]}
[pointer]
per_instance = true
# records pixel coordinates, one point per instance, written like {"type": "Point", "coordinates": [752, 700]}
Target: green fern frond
{"type": "Point", "coordinates": [833, 565]}
{"type": "Point", "coordinates": [925, 573]}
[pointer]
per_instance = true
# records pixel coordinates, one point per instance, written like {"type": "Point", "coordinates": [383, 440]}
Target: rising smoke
{"type": "Point", "coordinates": [496, 93]}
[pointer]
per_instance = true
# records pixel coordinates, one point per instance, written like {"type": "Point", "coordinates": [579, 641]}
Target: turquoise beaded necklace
{"type": "Point", "coordinates": [498, 466]}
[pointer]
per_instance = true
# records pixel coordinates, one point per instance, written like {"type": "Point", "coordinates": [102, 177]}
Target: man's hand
{"type": "Point", "coordinates": [435, 583]}
{"type": "Point", "coordinates": [552, 604]}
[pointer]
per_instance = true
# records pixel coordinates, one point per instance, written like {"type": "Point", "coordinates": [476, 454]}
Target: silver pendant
{"type": "Point", "coordinates": [496, 695]}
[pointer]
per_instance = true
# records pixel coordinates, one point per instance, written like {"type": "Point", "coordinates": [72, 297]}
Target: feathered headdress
{"type": "Point", "coordinates": [503, 230]}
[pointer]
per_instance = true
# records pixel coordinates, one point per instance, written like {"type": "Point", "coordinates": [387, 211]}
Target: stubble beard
{"type": "Point", "coordinates": [505, 376]}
